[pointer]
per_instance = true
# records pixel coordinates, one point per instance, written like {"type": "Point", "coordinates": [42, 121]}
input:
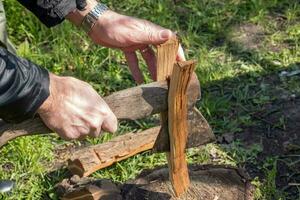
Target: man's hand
{"type": "Point", "coordinates": [128, 34]}
{"type": "Point", "coordinates": [74, 109]}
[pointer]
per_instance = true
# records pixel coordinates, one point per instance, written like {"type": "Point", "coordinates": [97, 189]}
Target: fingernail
{"type": "Point", "coordinates": [165, 34]}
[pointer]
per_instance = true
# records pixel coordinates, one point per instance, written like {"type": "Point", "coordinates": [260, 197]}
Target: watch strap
{"type": "Point", "coordinates": [91, 18]}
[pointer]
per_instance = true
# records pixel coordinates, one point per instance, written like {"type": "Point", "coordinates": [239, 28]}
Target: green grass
{"type": "Point", "coordinates": [228, 68]}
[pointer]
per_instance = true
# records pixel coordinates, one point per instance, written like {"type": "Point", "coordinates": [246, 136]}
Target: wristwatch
{"type": "Point", "coordinates": [91, 18]}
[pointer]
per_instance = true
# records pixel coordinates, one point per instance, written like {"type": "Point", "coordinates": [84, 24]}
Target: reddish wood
{"type": "Point", "coordinates": [86, 161]}
{"type": "Point", "coordinates": [166, 57]}
{"type": "Point", "coordinates": [178, 125]}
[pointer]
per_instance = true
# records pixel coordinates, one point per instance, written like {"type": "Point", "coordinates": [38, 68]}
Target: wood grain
{"type": "Point", "coordinates": [166, 57]}
{"type": "Point", "coordinates": [178, 125]}
{"type": "Point", "coordinates": [90, 159]}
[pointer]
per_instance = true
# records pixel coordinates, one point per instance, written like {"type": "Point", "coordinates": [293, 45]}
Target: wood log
{"type": "Point", "coordinates": [207, 182]}
{"type": "Point", "coordinates": [90, 159]}
{"type": "Point", "coordinates": [178, 125]}
{"type": "Point", "coordinates": [133, 103]}
{"type": "Point", "coordinates": [145, 100]}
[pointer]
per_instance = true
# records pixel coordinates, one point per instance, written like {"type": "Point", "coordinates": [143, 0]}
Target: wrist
{"type": "Point", "coordinates": [76, 16]}
{"type": "Point", "coordinates": [47, 104]}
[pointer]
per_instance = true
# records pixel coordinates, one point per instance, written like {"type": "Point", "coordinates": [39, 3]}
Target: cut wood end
{"type": "Point", "coordinates": [171, 41]}
{"type": "Point", "coordinates": [183, 64]}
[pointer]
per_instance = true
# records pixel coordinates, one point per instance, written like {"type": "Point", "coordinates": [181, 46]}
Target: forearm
{"type": "Point", "coordinates": [52, 12]}
{"type": "Point", "coordinates": [23, 87]}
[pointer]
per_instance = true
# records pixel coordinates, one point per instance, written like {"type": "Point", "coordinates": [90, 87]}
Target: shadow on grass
{"type": "Point", "coordinates": [260, 109]}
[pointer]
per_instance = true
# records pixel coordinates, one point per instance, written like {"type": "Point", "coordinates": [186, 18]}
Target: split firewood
{"type": "Point", "coordinates": [174, 131]}
{"type": "Point", "coordinates": [90, 159]}
{"type": "Point", "coordinates": [133, 103]}
{"type": "Point", "coordinates": [166, 58]}
{"type": "Point", "coordinates": [178, 125]}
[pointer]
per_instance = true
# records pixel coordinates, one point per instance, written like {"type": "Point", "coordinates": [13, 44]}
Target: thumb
{"type": "Point", "coordinates": [110, 123]}
{"type": "Point", "coordinates": [157, 35]}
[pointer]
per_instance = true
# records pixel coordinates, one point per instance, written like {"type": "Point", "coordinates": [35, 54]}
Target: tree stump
{"type": "Point", "coordinates": [208, 182]}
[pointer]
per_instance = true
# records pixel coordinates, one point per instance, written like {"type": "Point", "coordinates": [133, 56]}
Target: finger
{"type": "Point", "coordinates": [134, 67]}
{"type": "Point", "coordinates": [82, 137]}
{"type": "Point", "coordinates": [95, 133]}
{"type": "Point", "coordinates": [110, 123]}
{"type": "Point", "coordinates": [154, 34]}
{"type": "Point", "coordinates": [69, 133]}
{"type": "Point", "coordinates": [82, 132]}
{"type": "Point", "coordinates": [180, 54]}
{"type": "Point", "coordinates": [150, 59]}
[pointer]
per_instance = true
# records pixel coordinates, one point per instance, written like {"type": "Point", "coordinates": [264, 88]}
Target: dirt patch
{"type": "Point", "coordinates": [253, 37]}
{"type": "Point", "coordinates": [278, 132]}
{"type": "Point", "coordinates": [247, 36]}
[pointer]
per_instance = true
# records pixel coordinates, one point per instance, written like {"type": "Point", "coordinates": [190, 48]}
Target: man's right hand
{"type": "Point", "coordinates": [74, 109]}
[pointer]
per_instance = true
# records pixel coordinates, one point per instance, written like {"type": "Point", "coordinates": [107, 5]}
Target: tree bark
{"type": "Point", "coordinates": [90, 159]}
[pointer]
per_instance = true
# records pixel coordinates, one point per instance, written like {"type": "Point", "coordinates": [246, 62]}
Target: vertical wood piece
{"type": "Point", "coordinates": [166, 57]}
{"type": "Point", "coordinates": [178, 125]}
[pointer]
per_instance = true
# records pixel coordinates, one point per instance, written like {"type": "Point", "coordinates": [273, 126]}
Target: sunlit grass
{"type": "Point", "coordinates": [205, 30]}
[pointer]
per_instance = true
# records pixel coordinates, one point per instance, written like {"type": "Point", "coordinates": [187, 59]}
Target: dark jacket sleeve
{"type": "Point", "coordinates": [24, 86]}
{"type": "Point", "coordinates": [52, 12]}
